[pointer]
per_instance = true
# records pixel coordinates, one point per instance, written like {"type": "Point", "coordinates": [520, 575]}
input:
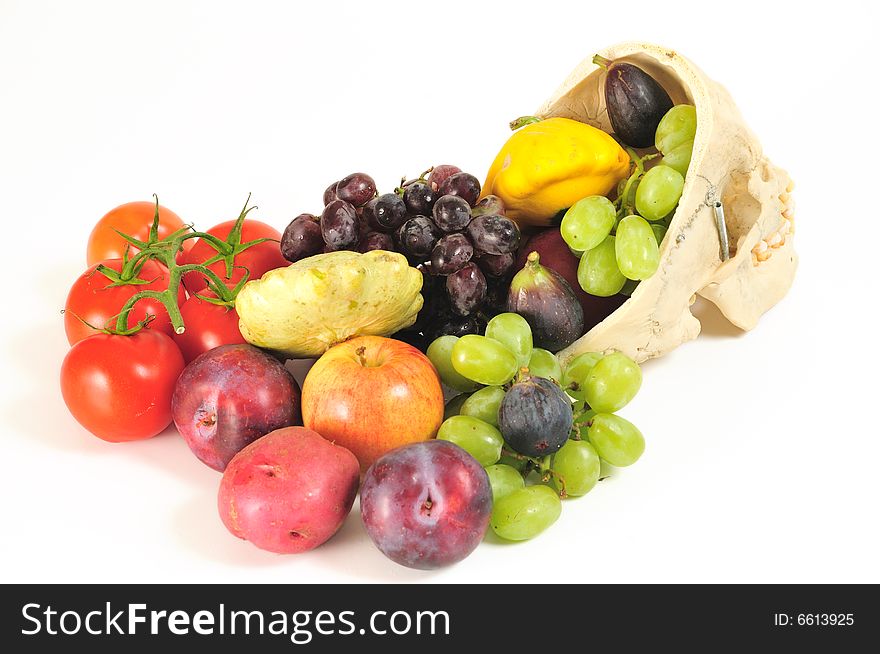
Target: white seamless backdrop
{"type": "Point", "coordinates": [762, 449]}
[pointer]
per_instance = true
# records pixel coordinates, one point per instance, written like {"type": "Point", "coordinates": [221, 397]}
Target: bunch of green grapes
{"type": "Point", "coordinates": [619, 242]}
{"type": "Point", "coordinates": [527, 491]}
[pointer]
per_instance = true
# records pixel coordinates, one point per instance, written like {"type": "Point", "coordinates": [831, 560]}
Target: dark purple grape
{"type": "Point", "coordinates": [451, 213]}
{"type": "Point", "coordinates": [451, 253]}
{"type": "Point", "coordinates": [463, 185]}
{"type": "Point", "coordinates": [376, 241]}
{"type": "Point", "coordinates": [418, 236]}
{"type": "Point", "coordinates": [302, 238]}
{"type": "Point", "coordinates": [491, 204]}
{"type": "Point", "coordinates": [340, 226]}
{"type": "Point", "coordinates": [496, 297]}
{"type": "Point", "coordinates": [459, 326]}
{"type": "Point", "coordinates": [635, 101]}
{"type": "Point", "coordinates": [414, 337]}
{"type": "Point", "coordinates": [356, 189]}
{"type": "Point", "coordinates": [386, 212]}
{"type": "Point", "coordinates": [429, 280]}
{"type": "Point", "coordinates": [330, 194]}
{"type": "Point", "coordinates": [466, 289]}
{"type": "Point", "coordinates": [496, 265]}
{"type": "Point", "coordinates": [494, 234]}
{"type": "Point", "coordinates": [440, 173]}
{"type": "Point", "coordinates": [419, 198]}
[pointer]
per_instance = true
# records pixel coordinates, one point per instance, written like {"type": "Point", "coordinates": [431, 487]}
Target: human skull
{"type": "Point", "coordinates": [727, 166]}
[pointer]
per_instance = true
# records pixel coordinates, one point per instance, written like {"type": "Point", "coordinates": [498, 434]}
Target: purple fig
{"type": "Point", "coordinates": [547, 302]}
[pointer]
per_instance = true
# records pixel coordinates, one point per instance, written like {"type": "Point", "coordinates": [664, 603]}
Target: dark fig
{"type": "Point", "coordinates": [547, 302]}
{"type": "Point", "coordinates": [535, 417]}
{"type": "Point", "coordinates": [555, 254]}
{"type": "Point", "coordinates": [635, 101]}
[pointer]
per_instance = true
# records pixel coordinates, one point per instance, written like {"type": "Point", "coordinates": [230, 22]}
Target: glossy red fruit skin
{"type": "Point", "coordinates": [289, 491]}
{"type": "Point", "coordinates": [555, 254]}
{"type": "Point", "coordinates": [119, 387]}
{"type": "Point", "coordinates": [229, 397]}
{"type": "Point", "coordinates": [257, 259]}
{"type": "Point", "coordinates": [93, 300]}
{"type": "Point", "coordinates": [426, 505]}
{"type": "Point", "coordinates": [371, 394]}
{"type": "Point", "coordinates": [208, 326]}
{"type": "Point", "coordinates": [440, 174]}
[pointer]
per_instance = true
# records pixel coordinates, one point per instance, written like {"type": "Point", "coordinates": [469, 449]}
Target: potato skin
{"type": "Point", "coordinates": [289, 491]}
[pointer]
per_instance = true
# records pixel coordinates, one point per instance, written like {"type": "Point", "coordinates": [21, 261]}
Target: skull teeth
{"type": "Point", "coordinates": [764, 249]}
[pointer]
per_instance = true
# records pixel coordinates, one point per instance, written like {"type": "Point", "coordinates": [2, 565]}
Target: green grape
{"type": "Point", "coordinates": [525, 512]}
{"type": "Point", "coordinates": [513, 461]}
{"type": "Point", "coordinates": [587, 222]}
{"type": "Point", "coordinates": [616, 439]}
{"type": "Point", "coordinates": [659, 192]}
{"type": "Point", "coordinates": [612, 383]}
{"type": "Point", "coordinates": [678, 126]}
{"type": "Point", "coordinates": [629, 287]}
{"type": "Point", "coordinates": [659, 230]}
{"type": "Point", "coordinates": [479, 439]}
{"type": "Point", "coordinates": [453, 406]}
{"type": "Point", "coordinates": [635, 246]}
{"type": "Point", "coordinates": [680, 157]}
{"type": "Point", "coordinates": [576, 373]}
{"type": "Point", "coordinates": [440, 354]}
{"type": "Point", "coordinates": [544, 363]}
{"type": "Point", "coordinates": [578, 464]}
{"type": "Point", "coordinates": [598, 273]}
{"type": "Point", "coordinates": [504, 480]}
{"type": "Point", "coordinates": [512, 330]}
{"type": "Point", "coordinates": [483, 360]}
{"type": "Point", "coordinates": [484, 404]}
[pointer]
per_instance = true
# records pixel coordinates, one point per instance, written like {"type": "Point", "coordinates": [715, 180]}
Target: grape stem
{"type": "Point", "coordinates": [541, 465]}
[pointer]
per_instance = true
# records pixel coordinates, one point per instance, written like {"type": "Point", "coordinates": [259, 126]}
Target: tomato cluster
{"type": "Point", "coordinates": [155, 296]}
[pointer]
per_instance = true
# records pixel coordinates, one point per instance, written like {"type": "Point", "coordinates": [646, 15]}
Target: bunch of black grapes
{"type": "Point", "coordinates": [465, 247]}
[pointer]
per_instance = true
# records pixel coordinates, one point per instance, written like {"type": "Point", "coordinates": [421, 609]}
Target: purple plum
{"type": "Point", "coordinates": [426, 505]}
{"type": "Point", "coordinates": [229, 397]}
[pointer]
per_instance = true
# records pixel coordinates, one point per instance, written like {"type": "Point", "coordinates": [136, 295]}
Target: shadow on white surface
{"type": "Point", "coordinates": [196, 525]}
{"type": "Point", "coordinates": [714, 324]}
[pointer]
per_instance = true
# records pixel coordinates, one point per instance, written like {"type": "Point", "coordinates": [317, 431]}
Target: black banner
{"type": "Point", "coordinates": [433, 618]}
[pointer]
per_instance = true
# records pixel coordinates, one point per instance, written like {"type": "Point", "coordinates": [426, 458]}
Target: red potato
{"type": "Point", "coordinates": [288, 492]}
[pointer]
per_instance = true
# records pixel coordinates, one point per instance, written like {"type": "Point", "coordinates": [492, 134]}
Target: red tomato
{"type": "Point", "coordinates": [258, 259]}
{"type": "Point", "coordinates": [134, 219]}
{"type": "Point", "coordinates": [120, 387]}
{"type": "Point", "coordinates": [95, 301]}
{"type": "Point", "coordinates": [207, 326]}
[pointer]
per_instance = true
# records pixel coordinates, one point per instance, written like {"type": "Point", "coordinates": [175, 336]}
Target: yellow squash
{"type": "Point", "coordinates": [311, 305]}
{"type": "Point", "coordinates": [549, 165]}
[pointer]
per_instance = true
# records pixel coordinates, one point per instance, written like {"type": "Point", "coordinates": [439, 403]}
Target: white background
{"type": "Point", "coordinates": [763, 449]}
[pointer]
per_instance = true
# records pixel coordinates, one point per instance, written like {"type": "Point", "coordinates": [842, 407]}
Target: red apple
{"type": "Point", "coordinates": [372, 394]}
{"type": "Point", "coordinates": [555, 254]}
